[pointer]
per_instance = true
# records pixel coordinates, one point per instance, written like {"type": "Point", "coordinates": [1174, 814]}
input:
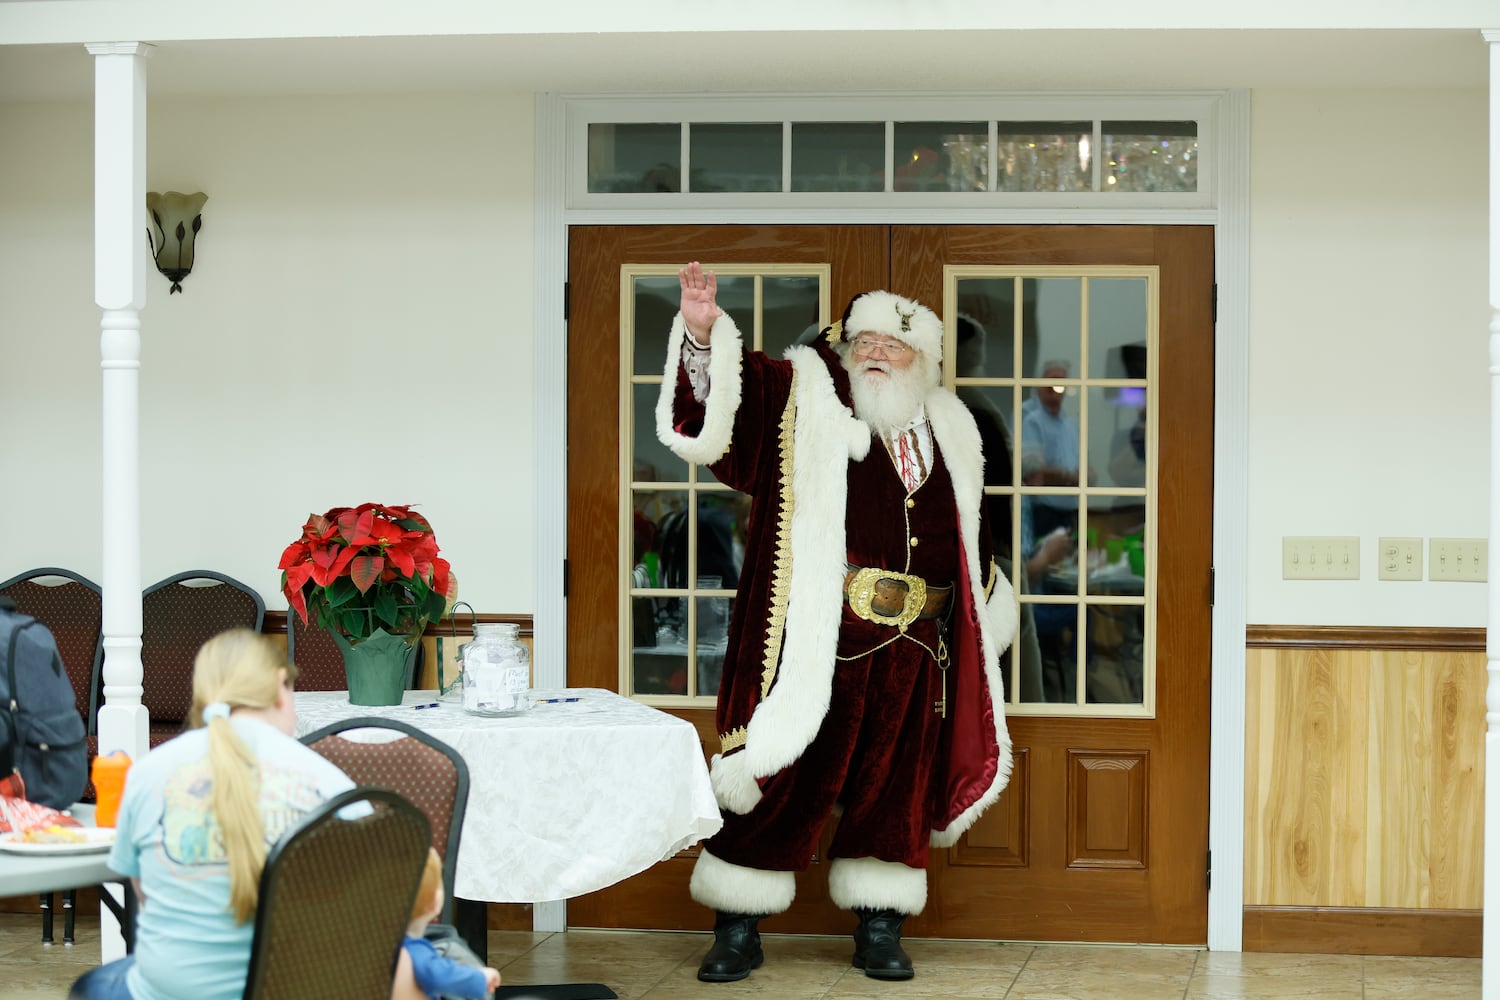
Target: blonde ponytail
{"type": "Point", "coordinates": [241, 669]}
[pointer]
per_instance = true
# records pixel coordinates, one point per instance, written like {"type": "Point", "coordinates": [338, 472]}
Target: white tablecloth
{"type": "Point", "coordinates": [564, 800]}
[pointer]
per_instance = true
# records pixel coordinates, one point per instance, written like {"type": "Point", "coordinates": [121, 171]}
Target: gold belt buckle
{"type": "Point", "coordinates": [862, 592]}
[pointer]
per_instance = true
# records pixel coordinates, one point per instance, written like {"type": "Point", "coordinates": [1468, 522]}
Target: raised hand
{"type": "Point", "coordinates": [700, 288]}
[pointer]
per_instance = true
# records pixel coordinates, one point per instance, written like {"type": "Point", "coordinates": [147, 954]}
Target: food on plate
{"type": "Point", "coordinates": [54, 834]}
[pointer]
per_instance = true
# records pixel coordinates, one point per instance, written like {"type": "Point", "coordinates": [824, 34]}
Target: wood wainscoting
{"type": "Point", "coordinates": [1364, 790]}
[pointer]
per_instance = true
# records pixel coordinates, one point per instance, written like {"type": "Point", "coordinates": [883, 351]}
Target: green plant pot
{"type": "Point", "coordinates": [378, 669]}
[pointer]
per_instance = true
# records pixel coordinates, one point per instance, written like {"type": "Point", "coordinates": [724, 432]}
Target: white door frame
{"type": "Point", "coordinates": [1230, 217]}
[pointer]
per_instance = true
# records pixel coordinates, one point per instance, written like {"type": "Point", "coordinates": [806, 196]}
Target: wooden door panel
{"type": "Point", "coordinates": [1112, 813]}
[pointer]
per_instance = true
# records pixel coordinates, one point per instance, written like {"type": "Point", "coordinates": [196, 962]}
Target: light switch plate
{"type": "Point", "coordinates": [1464, 560]}
{"type": "Point", "coordinates": [1320, 557]}
{"type": "Point", "coordinates": [1400, 558]}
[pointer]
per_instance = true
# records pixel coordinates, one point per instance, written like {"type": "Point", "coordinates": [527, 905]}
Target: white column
{"type": "Point", "coordinates": [1491, 952]}
{"type": "Point", "coordinates": [120, 263]}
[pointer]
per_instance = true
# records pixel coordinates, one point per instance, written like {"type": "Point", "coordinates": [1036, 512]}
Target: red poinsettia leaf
{"type": "Point", "coordinates": [295, 553]}
{"type": "Point", "coordinates": [402, 560]}
{"type": "Point", "coordinates": [355, 526]}
{"type": "Point", "coordinates": [365, 570]}
{"type": "Point", "coordinates": [440, 577]}
{"type": "Point", "coordinates": [325, 557]}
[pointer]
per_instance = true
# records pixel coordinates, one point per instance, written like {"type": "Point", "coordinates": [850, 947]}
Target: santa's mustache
{"type": "Point", "coordinates": [874, 366]}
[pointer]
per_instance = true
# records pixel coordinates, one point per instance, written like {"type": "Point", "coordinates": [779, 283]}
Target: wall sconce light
{"type": "Point", "coordinates": [178, 218]}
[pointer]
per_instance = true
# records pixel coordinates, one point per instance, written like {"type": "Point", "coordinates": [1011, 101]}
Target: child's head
{"type": "Point", "coordinates": [430, 892]}
{"type": "Point", "coordinates": [242, 669]}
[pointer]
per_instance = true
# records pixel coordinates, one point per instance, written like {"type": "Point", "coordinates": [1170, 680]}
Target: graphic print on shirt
{"type": "Point", "coordinates": [191, 835]}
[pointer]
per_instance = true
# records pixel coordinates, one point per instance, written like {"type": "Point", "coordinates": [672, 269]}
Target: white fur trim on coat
{"type": "Point", "coordinates": [735, 787]}
{"type": "Point", "coordinates": [957, 437]}
{"type": "Point", "coordinates": [723, 400]}
{"type": "Point", "coordinates": [872, 884]}
{"type": "Point", "coordinates": [732, 888]}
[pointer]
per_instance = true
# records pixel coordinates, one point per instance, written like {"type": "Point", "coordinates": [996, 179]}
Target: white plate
{"type": "Point", "coordinates": [95, 839]}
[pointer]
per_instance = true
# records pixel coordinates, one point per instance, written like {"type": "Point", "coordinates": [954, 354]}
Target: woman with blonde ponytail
{"type": "Point", "coordinates": [198, 816]}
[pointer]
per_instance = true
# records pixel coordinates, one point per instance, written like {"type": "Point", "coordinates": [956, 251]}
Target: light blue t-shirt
{"type": "Point", "coordinates": [1052, 440]}
{"type": "Point", "coordinates": [188, 945]}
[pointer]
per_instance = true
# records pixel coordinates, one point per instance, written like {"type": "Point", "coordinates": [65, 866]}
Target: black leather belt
{"type": "Point", "coordinates": [886, 597]}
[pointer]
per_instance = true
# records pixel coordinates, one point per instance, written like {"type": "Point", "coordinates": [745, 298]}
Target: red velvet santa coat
{"type": "Point", "coordinates": [784, 432]}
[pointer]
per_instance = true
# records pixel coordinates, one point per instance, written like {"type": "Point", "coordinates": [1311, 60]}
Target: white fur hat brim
{"type": "Point", "coordinates": [895, 316]}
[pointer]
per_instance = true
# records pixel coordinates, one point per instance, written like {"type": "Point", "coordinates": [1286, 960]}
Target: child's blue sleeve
{"type": "Point", "coordinates": [436, 975]}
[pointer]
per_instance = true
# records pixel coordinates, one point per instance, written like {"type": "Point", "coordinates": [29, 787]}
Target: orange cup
{"type": "Point", "coordinates": [109, 784]}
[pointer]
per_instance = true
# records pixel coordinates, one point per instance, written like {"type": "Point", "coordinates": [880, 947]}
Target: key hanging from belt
{"type": "Point", "coordinates": [941, 705]}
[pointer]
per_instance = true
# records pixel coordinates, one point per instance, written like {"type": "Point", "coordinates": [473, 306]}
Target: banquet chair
{"type": "Point", "coordinates": [72, 608]}
{"type": "Point", "coordinates": [427, 772]}
{"type": "Point", "coordinates": [336, 894]}
{"type": "Point", "coordinates": [320, 663]}
{"type": "Point", "coordinates": [178, 615]}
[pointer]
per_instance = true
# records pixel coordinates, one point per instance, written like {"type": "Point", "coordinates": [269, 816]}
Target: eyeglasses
{"type": "Point", "coordinates": [865, 347]}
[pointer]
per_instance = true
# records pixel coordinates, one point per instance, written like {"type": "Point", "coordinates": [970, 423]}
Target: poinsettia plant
{"type": "Point", "coordinates": [359, 569]}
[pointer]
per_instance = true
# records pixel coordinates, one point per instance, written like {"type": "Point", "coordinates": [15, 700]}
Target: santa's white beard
{"type": "Point", "coordinates": [890, 401]}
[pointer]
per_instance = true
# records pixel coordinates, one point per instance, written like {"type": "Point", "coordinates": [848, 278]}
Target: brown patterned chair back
{"type": "Point", "coordinates": [336, 895]}
{"type": "Point", "coordinates": [419, 767]}
{"type": "Point", "coordinates": [179, 615]}
{"type": "Point", "coordinates": [73, 610]}
{"type": "Point", "coordinates": [320, 662]}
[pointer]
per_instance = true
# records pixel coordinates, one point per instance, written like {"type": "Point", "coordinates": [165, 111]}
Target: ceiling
{"type": "Point", "coordinates": [767, 62]}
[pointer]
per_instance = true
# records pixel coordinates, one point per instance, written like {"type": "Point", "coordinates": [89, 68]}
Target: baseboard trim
{"type": "Point", "coordinates": [1350, 930]}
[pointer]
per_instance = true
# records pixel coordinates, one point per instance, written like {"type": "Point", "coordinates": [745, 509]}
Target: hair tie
{"type": "Point", "coordinates": [215, 710]}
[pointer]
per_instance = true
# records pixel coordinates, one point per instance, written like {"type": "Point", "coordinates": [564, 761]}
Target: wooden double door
{"type": "Point", "coordinates": [1102, 834]}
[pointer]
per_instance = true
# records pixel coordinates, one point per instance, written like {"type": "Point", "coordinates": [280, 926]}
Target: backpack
{"type": "Point", "coordinates": [41, 733]}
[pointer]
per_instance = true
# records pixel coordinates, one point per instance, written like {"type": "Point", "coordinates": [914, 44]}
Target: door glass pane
{"type": "Point", "coordinates": [635, 157]}
{"type": "Point", "coordinates": [790, 307]}
{"type": "Point", "coordinates": [1116, 654]}
{"type": "Point", "coordinates": [662, 667]}
{"type": "Point", "coordinates": [941, 156]}
{"type": "Point", "coordinates": [713, 639]}
{"type": "Point", "coordinates": [986, 328]}
{"type": "Point", "coordinates": [838, 156]}
{"type": "Point", "coordinates": [1056, 627]}
{"type": "Point", "coordinates": [1044, 156]}
{"type": "Point", "coordinates": [1116, 546]}
{"type": "Point", "coordinates": [655, 301]}
{"type": "Point", "coordinates": [1052, 326]}
{"type": "Point", "coordinates": [649, 523]}
{"type": "Point", "coordinates": [737, 298]}
{"type": "Point", "coordinates": [734, 157]}
{"type": "Point", "coordinates": [722, 519]}
{"type": "Point", "coordinates": [1150, 156]}
{"type": "Point", "coordinates": [1117, 435]}
{"type": "Point", "coordinates": [1117, 328]}
{"type": "Point", "coordinates": [650, 460]}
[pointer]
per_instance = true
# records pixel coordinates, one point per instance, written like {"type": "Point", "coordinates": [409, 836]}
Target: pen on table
{"type": "Point", "coordinates": [556, 701]}
{"type": "Point", "coordinates": [431, 704]}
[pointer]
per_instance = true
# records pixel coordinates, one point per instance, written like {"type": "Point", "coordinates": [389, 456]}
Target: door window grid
{"type": "Point", "coordinates": [684, 605]}
{"type": "Point", "coordinates": [1098, 611]}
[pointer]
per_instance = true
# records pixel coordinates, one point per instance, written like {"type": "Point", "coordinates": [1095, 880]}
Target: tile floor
{"type": "Point", "coordinates": [663, 966]}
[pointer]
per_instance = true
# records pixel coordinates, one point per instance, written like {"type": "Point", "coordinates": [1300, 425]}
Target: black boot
{"type": "Point", "coordinates": [736, 949]}
{"type": "Point", "coordinates": [877, 945]}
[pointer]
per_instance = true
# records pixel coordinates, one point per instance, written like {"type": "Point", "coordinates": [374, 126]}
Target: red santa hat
{"type": "Point", "coordinates": [897, 317]}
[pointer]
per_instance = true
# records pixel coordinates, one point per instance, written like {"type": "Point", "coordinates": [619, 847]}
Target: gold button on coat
{"type": "Point", "coordinates": [913, 543]}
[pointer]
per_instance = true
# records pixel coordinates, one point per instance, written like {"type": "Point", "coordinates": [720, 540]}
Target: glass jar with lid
{"type": "Point", "coordinates": [496, 671]}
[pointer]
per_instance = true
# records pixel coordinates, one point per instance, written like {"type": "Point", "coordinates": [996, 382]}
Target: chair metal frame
{"type": "Point", "coordinates": [387, 808]}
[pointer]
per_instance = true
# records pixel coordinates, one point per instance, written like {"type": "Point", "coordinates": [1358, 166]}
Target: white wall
{"type": "Point", "coordinates": [1368, 387]}
{"type": "Point", "coordinates": [357, 327]}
